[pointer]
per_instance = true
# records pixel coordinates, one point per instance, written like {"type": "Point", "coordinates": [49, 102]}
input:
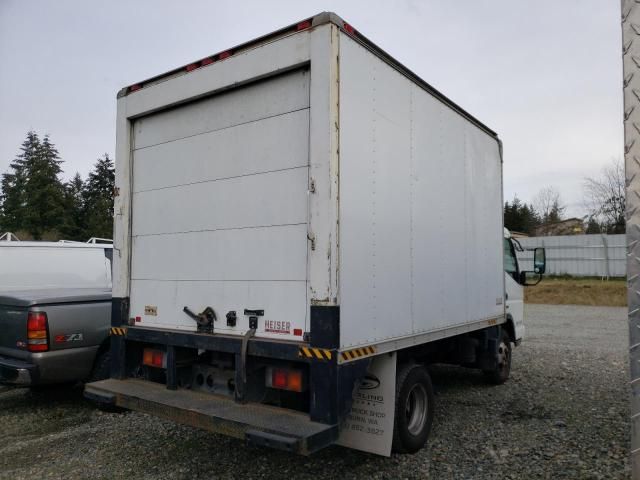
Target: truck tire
{"type": "Point", "coordinates": [102, 371]}
{"type": "Point", "coordinates": [501, 372]}
{"type": "Point", "coordinates": [101, 367]}
{"type": "Point", "coordinates": [414, 409]}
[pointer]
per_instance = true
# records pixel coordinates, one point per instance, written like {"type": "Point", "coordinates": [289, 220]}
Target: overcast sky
{"type": "Point", "coordinates": [545, 74]}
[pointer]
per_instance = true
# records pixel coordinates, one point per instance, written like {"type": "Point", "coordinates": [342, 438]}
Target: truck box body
{"type": "Point", "coordinates": [286, 212]}
{"type": "Point", "coordinates": [307, 172]}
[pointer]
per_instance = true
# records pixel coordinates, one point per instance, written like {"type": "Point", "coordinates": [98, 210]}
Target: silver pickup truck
{"type": "Point", "coordinates": [54, 336]}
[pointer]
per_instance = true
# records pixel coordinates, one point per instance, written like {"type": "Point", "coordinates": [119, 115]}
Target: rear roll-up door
{"type": "Point", "coordinates": [219, 208]}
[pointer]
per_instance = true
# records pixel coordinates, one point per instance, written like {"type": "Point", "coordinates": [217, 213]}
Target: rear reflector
{"type": "Point", "coordinates": [285, 379]}
{"type": "Point", "coordinates": [154, 358]}
{"type": "Point", "coordinates": [297, 332]}
{"type": "Point", "coordinates": [191, 67]}
{"type": "Point", "coordinates": [224, 55]}
{"type": "Point", "coordinates": [37, 332]}
{"type": "Point", "coordinates": [349, 29]}
{"type": "Point", "coordinates": [303, 25]}
{"type": "Point", "coordinates": [135, 87]}
{"type": "Point", "coordinates": [206, 61]}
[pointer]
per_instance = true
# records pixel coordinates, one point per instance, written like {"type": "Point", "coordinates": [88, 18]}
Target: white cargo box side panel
{"type": "Point", "coordinates": [220, 209]}
{"type": "Point", "coordinates": [420, 209]}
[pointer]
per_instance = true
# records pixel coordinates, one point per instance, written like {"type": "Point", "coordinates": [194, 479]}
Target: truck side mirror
{"type": "Point", "coordinates": [539, 260]}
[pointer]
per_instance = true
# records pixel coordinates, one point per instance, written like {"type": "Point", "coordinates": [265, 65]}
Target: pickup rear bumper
{"type": "Point", "coordinates": [57, 366]}
{"type": "Point", "coordinates": [18, 372]}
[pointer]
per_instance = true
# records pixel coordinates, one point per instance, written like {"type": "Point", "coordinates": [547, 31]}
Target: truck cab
{"type": "Point", "coordinates": [515, 279]}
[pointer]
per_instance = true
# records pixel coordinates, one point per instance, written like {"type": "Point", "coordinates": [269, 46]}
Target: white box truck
{"type": "Point", "coordinates": [301, 226]}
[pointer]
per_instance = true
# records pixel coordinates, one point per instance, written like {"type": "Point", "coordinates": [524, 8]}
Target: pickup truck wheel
{"type": "Point", "coordinates": [501, 372]}
{"type": "Point", "coordinates": [414, 409]}
{"type": "Point", "coordinates": [101, 367]}
{"type": "Point", "coordinates": [102, 371]}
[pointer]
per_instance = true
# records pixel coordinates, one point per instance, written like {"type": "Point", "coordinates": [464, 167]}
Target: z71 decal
{"type": "Point", "coordinates": [71, 337]}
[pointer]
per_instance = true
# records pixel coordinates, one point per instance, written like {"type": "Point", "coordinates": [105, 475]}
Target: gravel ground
{"type": "Point", "coordinates": [563, 414]}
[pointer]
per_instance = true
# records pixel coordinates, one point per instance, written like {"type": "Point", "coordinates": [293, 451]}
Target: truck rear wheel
{"type": "Point", "coordinates": [414, 409]}
{"type": "Point", "coordinates": [501, 372]}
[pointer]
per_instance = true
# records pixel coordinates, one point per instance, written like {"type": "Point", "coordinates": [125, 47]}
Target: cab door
{"type": "Point", "coordinates": [513, 290]}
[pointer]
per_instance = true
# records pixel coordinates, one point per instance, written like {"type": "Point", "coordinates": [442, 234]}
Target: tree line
{"type": "Point", "coordinates": [35, 203]}
{"type": "Point", "coordinates": [604, 201]}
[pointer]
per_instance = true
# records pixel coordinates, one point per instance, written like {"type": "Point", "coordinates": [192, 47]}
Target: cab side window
{"type": "Point", "coordinates": [510, 262]}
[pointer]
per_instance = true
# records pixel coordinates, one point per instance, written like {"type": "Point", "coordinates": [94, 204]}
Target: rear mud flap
{"type": "Point", "coordinates": [369, 426]}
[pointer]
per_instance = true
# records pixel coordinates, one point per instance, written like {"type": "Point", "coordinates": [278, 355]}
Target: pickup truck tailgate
{"type": "Point", "coordinates": [13, 328]}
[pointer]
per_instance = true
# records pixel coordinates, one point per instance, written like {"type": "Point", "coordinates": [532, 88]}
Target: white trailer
{"type": "Point", "coordinates": [301, 220]}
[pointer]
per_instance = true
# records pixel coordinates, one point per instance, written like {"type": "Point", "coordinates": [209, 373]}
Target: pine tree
{"type": "Point", "coordinates": [520, 217]}
{"type": "Point", "coordinates": [98, 199]}
{"type": "Point", "coordinates": [43, 192]}
{"type": "Point", "coordinates": [13, 198]}
{"type": "Point", "coordinates": [73, 227]}
{"type": "Point", "coordinates": [593, 226]}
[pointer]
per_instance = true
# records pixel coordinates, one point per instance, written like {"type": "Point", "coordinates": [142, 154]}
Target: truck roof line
{"type": "Point", "coordinates": [319, 19]}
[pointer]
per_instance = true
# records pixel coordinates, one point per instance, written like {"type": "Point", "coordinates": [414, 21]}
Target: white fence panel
{"type": "Point", "coordinates": [597, 255]}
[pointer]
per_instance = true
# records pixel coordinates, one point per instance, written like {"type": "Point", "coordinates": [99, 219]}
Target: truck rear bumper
{"type": "Point", "coordinates": [17, 372]}
{"type": "Point", "coordinates": [57, 366]}
{"type": "Point", "coordinates": [255, 423]}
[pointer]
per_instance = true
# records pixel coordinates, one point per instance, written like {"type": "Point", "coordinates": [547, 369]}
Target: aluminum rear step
{"type": "Point", "coordinates": [258, 424]}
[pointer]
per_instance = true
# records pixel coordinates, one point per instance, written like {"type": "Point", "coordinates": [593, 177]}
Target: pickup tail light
{"type": "Point", "coordinates": [154, 358]}
{"type": "Point", "coordinates": [37, 332]}
{"type": "Point", "coordinates": [285, 379]}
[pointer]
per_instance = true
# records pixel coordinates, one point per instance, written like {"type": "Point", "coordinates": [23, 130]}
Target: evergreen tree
{"type": "Point", "coordinates": [555, 213]}
{"type": "Point", "coordinates": [43, 192]}
{"type": "Point", "coordinates": [593, 226]}
{"type": "Point", "coordinates": [520, 217]}
{"type": "Point", "coordinates": [13, 198]}
{"type": "Point", "coordinates": [73, 227]}
{"type": "Point", "coordinates": [549, 207]}
{"type": "Point", "coordinates": [98, 199]}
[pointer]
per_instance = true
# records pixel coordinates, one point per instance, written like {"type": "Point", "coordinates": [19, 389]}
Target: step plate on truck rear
{"type": "Point", "coordinates": [257, 424]}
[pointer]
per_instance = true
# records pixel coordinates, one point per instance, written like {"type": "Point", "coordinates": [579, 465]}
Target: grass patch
{"type": "Point", "coordinates": [578, 291]}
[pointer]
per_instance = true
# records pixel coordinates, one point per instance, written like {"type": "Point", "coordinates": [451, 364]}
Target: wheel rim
{"type": "Point", "coordinates": [504, 357]}
{"type": "Point", "coordinates": [416, 409]}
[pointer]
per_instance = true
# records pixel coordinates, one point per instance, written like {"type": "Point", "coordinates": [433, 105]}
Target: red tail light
{"type": "Point", "coordinates": [154, 358]}
{"type": "Point", "coordinates": [285, 379]}
{"type": "Point", "coordinates": [37, 332]}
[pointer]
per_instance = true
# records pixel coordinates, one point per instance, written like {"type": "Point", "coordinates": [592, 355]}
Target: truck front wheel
{"type": "Point", "coordinates": [414, 409]}
{"type": "Point", "coordinates": [502, 370]}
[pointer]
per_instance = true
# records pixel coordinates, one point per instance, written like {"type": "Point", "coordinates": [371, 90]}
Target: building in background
{"type": "Point", "coordinates": [570, 226]}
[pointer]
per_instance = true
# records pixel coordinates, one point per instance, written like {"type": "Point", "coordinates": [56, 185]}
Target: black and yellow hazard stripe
{"type": "Point", "coordinates": [315, 353]}
{"type": "Point", "coordinates": [357, 353]}
{"type": "Point", "coordinates": [118, 331]}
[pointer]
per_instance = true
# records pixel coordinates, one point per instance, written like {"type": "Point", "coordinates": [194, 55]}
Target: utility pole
{"type": "Point", "coordinates": [631, 86]}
